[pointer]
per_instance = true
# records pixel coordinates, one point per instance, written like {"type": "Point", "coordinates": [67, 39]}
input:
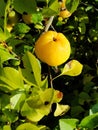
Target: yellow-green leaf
{"type": "Point", "coordinates": [27, 126]}
{"type": "Point", "coordinates": [61, 109]}
{"type": "Point", "coordinates": [72, 68]}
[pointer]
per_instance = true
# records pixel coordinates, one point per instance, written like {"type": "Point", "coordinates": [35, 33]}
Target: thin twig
{"type": "Point", "coordinates": [49, 22]}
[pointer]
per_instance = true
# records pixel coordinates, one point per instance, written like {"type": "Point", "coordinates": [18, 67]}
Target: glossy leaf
{"type": "Point", "coordinates": [27, 126]}
{"type": "Point", "coordinates": [72, 68]}
{"type": "Point", "coordinates": [12, 78]}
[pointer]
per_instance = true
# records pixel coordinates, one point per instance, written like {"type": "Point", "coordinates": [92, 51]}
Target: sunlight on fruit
{"type": "Point", "coordinates": [64, 13]}
{"type": "Point", "coordinates": [53, 48]}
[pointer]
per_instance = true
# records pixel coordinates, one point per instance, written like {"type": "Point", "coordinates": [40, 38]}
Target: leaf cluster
{"type": "Point", "coordinates": [34, 95]}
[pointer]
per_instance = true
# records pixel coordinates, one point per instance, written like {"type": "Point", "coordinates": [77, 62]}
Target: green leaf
{"type": "Point", "coordinates": [32, 64]}
{"type": "Point", "coordinates": [10, 115]}
{"type": "Point", "coordinates": [84, 97]}
{"type": "Point", "coordinates": [17, 100]}
{"type": "Point", "coordinates": [4, 35]}
{"type": "Point", "coordinates": [90, 122]}
{"type": "Point", "coordinates": [76, 110]}
{"type": "Point", "coordinates": [68, 124]}
{"type": "Point", "coordinates": [4, 101]}
{"type": "Point", "coordinates": [54, 5]}
{"type": "Point", "coordinates": [28, 77]}
{"type": "Point", "coordinates": [27, 126]}
{"type": "Point", "coordinates": [41, 98]}
{"type": "Point", "coordinates": [12, 78]}
{"type": "Point", "coordinates": [72, 68]}
{"type": "Point", "coordinates": [44, 83]}
{"type": "Point", "coordinates": [39, 103]}
{"type": "Point", "coordinates": [27, 6]}
{"type": "Point", "coordinates": [6, 127]}
{"type": "Point", "coordinates": [31, 113]}
{"type": "Point", "coordinates": [82, 28]}
{"type": "Point", "coordinates": [53, 9]}
{"type": "Point", "coordinates": [94, 109]}
{"type": "Point", "coordinates": [6, 55]}
{"type": "Point", "coordinates": [21, 28]}
{"type": "Point", "coordinates": [37, 18]}
{"type": "Point", "coordinates": [2, 7]}
{"type": "Point", "coordinates": [72, 5]}
{"type": "Point", "coordinates": [61, 109]}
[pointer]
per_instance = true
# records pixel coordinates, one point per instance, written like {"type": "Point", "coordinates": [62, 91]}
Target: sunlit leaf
{"type": "Point", "coordinates": [72, 68]}
{"type": "Point", "coordinates": [16, 101]}
{"type": "Point", "coordinates": [61, 109]}
{"type": "Point", "coordinates": [31, 113]}
{"type": "Point", "coordinates": [44, 98]}
{"type": "Point", "coordinates": [39, 103]}
{"type": "Point", "coordinates": [44, 83]}
{"type": "Point", "coordinates": [4, 35]}
{"type": "Point", "coordinates": [21, 28]}
{"type": "Point", "coordinates": [27, 126]}
{"type": "Point", "coordinates": [54, 5]}
{"type": "Point", "coordinates": [32, 64]}
{"type": "Point", "coordinates": [12, 78]}
{"type": "Point", "coordinates": [68, 124]}
{"type": "Point", "coordinates": [6, 55]}
{"type": "Point", "coordinates": [28, 76]}
{"type": "Point", "coordinates": [53, 9]}
{"type": "Point", "coordinates": [6, 127]}
{"type": "Point", "coordinates": [90, 122]}
{"type": "Point", "coordinates": [37, 18]}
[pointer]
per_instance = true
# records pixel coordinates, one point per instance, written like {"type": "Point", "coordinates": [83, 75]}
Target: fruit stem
{"type": "Point", "coordinates": [57, 77]}
{"type": "Point", "coordinates": [49, 22]}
